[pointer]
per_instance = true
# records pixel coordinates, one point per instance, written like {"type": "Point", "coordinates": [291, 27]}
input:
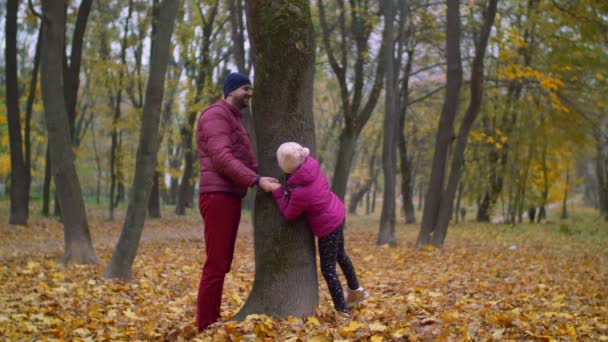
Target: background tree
{"type": "Point", "coordinates": [446, 124]}
{"type": "Point", "coordinates": [78, 245]}
{"type": "Point", "coordinates": [283, 42]}
{"type": "Point", "coordinates": [386, 234]}
{"type": "Point", "coordinates": [346, 35]}
{"type": "Point", "coordinates": [19, 186]}
{"type": "Point", "coordinates": [128, 243]}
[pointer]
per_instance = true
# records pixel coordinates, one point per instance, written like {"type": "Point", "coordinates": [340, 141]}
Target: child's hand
{"type": "Point", "coordinates": [274, 186]}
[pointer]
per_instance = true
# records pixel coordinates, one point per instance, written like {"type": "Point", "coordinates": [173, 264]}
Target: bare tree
{"type": "Point", "coordinates": [147, 151]}
{"type": "Point", "coordinates": [386, 234]}
{"type": "Point", "coordinates": [436, 219]}
{"type": "Point", "coordinates": [352, 42]}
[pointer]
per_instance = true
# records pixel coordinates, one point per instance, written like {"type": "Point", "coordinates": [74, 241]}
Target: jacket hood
{"type": "Point", "coordinates": [306, 173]}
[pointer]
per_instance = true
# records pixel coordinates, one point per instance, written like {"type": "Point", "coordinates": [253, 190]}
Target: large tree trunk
{"type": "Point", "coordinates": [447, 199]}
{"type": "Point", "coordinates": [386, 233]}
{"type": "Point", "coordinates": [283, 40]}
{"type": "Point", "coordinates": [147, 151]}
{"type": "Point", "coordinates": [19, 191]}
{"type": "Point", "coordinates": [78, 245]}
{"type": "Point", "coordinates": [445, 133]}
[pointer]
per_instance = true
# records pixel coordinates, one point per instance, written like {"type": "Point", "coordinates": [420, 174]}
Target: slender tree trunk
{"type": "Point", "coordinates": [19, 189]}
{"type": "Point", "coordinates": [78, 245]}
{"type": "Point", "coordinates": [365, 188]}
{"type": "Point", "coordinates": [374, 193]}
{"type": "Point", "coordinates": [204, 73]}
{"type": "Point", "coordinates": [115, 103]}
{"type": "Point", "coordinates": [477, 73]}
{"type": "Point", "coordinates": [283, 40]}
{"type": "Point", "coordinates": [445, 133]}
{"type": "Point", "coordinates": [46, 184]}
{"type": "Point", "coordinates": [386, 234]}
{"type": "Point", "coordinates": [97, 164]}
{"type": "Point", "coordinates": [237, 27]}
{"type": "Point", "coordinates": [565, 202]}
{"type": "Point", "coordinates": [28, 113]}
{"type": "Point", "coordinates": [147, 151]}
{"type": "Point", "coordinates": [601, 171]}
{"type": "Point", "coordinates": [458, 201]}
{"type": "Point", "coordinates": [72, 81]}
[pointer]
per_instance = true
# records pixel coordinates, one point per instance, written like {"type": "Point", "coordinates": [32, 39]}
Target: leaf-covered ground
{"type": "Point", "coordinates": [526, 282]}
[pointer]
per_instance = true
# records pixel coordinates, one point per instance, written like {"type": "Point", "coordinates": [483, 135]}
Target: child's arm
{"type": "Point", "coordinates": [290, 206]}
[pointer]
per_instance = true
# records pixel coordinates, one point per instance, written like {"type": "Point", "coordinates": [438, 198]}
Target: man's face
{"type": "Point", "coordinates": [241, 96]}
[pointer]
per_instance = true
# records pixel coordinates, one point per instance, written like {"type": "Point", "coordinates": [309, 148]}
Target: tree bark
{"type": "Point", "coordinates": [78, 245]}
{"type": "Point", "coordinates": [19, 189]}
{"type": "Point", "coordinates": [283, 40]}
{"type": "Point", "coordinates": [147, 151]}
{"type": "Point", "coordinates": [386, 233]}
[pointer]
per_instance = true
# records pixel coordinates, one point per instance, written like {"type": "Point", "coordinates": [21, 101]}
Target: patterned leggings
{"type": "Point", "coordinates": [331, 250]}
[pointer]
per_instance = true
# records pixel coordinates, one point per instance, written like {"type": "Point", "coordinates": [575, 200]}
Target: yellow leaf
{"type": "Point", "coordinates": [497, 334]}
{"type": "Point", "coordinates": [130, 313]}
{"type": "Point", "coordinates": [571, 332]}
{"type": "Point", "coordinates": [313, 321]}
{"type": "Point", "coordinates": [352, 326]}
{"type": "Point", "coordinates": [236, 299]}
{"type": "Point", "coordinates": [550, 314]}
{"type": "Point", "coordinates": [82, 332]}
{"type": "Point", "coordinates": [377, 326]}
{"type": "Point", "coordinates": [32, 265]}
{"type": "Point", "coordinates": [398, 333]}
{"type": "Point", "coordinates": [377, 338]}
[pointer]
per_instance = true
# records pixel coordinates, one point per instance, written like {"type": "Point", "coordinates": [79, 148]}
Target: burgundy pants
{"type": "Point", "coordinates": [221, 215]}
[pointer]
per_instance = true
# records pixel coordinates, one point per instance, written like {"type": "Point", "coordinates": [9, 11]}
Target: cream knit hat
{"type": "Point", "coordinates": [290, 155]}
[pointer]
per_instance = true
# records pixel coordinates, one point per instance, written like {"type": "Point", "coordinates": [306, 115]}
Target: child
{"type": "Point", "coordinates": [308, 192]}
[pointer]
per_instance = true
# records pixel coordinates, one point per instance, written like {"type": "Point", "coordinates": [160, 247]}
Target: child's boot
{"type": "Point", "coordinates": [354, 297]}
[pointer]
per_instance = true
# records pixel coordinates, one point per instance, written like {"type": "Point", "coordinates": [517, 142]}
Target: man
{"type": "Point", "coordinates": [227, 168]}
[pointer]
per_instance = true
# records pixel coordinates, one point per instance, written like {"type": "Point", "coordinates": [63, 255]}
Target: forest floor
{"type": "Point", "coordinates": [543, 282]}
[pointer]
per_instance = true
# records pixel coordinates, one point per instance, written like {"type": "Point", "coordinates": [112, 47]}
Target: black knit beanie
{"type": "Point", "coordinates": [234, 81]}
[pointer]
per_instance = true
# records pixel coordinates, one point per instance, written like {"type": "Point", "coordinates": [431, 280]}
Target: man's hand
{"type": "Point", "coordinates": [269, 183]}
